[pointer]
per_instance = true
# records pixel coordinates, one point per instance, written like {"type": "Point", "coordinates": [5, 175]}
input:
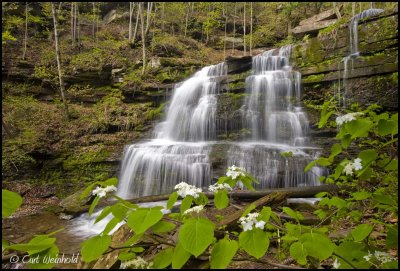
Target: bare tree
{"type": "Point", "coordinates": [136, 25]}
{"type": "Point", "coordinates": [62, 90]}
{"type": "Point", "coordinates": [94, 20]}
{"type": "Point", "coordinates": [26, 31]}
{"type": "Point", "coordinates": [234, 28]}
{"type": "Point", "coordinates": [131, 5]}
{"type": "Point", "coordinates": [225, 16]}
{"type": "Point", "coordinates": [187, 17]}
{"type": "Point", "coordinates": [244, 29]}
{"type": "Point", "coordinates": [141, 8]}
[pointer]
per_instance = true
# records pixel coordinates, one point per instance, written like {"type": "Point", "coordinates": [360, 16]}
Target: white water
{"type": "Point", "coordinates": [354, 53]}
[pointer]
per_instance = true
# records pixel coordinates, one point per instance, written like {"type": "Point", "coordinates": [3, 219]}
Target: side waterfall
{"type": "Point", "coordinates": [354, 53]}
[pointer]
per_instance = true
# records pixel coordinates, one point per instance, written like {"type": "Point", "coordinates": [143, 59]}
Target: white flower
{"type": "Point", "coordinates": [368, 257]}
{"type": "Point", "coordinates": [251, 220]}
{"type": "Point", "coordinates": [383, 257]}
{"type": "Point", "coordinates": [357, 164]}
{"type": "Point", "coordinates": [260, 224]}
{"type": "Point", "coordinates": [235, 172]}
{"type": "Point", "coordinates": [348, 169]}
{"type": "Point", "coordinates": [138, 263]}
{"type": "Point", "coordinates": [196, 209]}
{"type": "Point", "coordinates": [185, 189]}
{"type": "Point", "coordinates": [336, 264]}
{"type": "Point", "coordinates": [216, 187]}
{"type": "Point", "coordinates": [101, 192]}
{"type": "Point", "coordinates": [348, 117]}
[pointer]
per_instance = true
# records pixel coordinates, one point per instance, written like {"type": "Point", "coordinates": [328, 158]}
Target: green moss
{"type": "Point", "coordinates": [155, 113]}
{"type": "Point", "coordinates": [313, 78]}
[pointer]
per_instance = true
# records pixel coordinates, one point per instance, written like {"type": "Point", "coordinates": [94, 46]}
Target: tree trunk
{"type": "Point", "coordinates": [78, 30]}
{"type": "Point", "coordinates": [72, 25]}
{"type": "Point", "coordinates": [148, 17]}
{"type": "Point", "coordinates": [187, 18]}
{"type": "Point", "coordinates": [143, 36]}
{"type": "Point", "coordinates": [59, 61]}
{"type": "Point", "coordinates": [225, 16]}
{"type": "Point", "coordinates": [234, 28]}
{"type": "Point", "coordinates": [136, 25]}
{"type": "Point", "coordinates": [93, 21]}
{"type": "Point", "coordinates": [251, 26]}
{"type": "Point", "coordinates": [244, 29]}
{"type": "Point", "coordinates": [26, 31]}
{"type": "Point", "coordinates": [130, 21]}
{"type": "Point", "coordinates": [163, 17]}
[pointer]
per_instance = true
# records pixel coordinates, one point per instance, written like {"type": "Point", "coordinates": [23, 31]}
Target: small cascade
{"type": "Point", "coordinates": [354, 53]}
{"type": "Point", "coordinates": [179, 152]}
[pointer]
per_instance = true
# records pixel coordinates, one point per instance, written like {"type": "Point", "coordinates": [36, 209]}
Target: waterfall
{"type": "Point", "coordinates": [273, 114]}
{"type": "Point", "coordinates": [179, 152]}
{"type": "Point", "coordinates": [354, 53]}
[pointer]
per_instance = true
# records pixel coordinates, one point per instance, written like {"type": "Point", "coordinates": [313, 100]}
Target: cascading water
{"type": "Point", "coordinates": [277, 123]}
{"type": "Point", "coordinates": [354, 53]}
{"type": "Point", "coordinates": [179, 153]}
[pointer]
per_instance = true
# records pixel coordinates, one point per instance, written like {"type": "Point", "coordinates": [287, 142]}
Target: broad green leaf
{"type": "Point", "coordinates": [359, 128]}
{"type": "Point", "coordinates": [361, 195]}
{"type": "Point", "coordinates": [337, 202]}
{"type": "Point", "coordinates": [310, 165]}
{"type": "Point", "coordinates": [392, 240]}
{"type": "Point", "coordinates": [323, 161]}
{"type": "Point", "coordinates": [352, 252]}
{"type": "Point", "coordinates": [180, 256]}
{"type": "Point", "coordinates": [143, 218]}
{"type": "Point", "coordinates": [137, 249]}
{"type": "Point", "coordinates": [186, 203]}
{"type": "Point", "coordinates": [88, 190]}
{"type": "Point", "coordinates": [172, 199]}
{"type": "Point", "coordinates": [126, 256]}
{"type": "Point", "coordinates": [94, 247]}
{"type": "Point", "coordinates": [393, 165]}
{"type": "Point", "coordinates": [111, 225]}
{"type": "Point", "coordinates": [163, 259]}
{"type": "Point", "coordinates": [317, 245]}
{"type": "Point", "coordinates": [324, 117]}
{"type": "Point", "coordinates": [346, 141]}
{"type": "Point", "coordinates": [10, 202]}
{"type": "Point", "coordinates": [265, 214]}
{"type": "Point", "coordinates": [106, 211]}
{"type": "Point", "coordinates": [255, 242]}
{"type": "Point", "coordinates": [293, 214]}
{"type": "Point", "coordinates": [386, 127]}
{"type": "Point", "coordinates": [93, 205]}
{"type": "Point", "coordinates": [221, 199]}
{"type": "Point", "coordinates": [247, 182]}
{"type": "Point", "coordinates": [361, 232]}
{"type": "Point", "coordinates": [250, 208]}
{"type": "Point", "coordinates": [111, 181]}
{"type": "Point", "coordinates": [196, 235]}
{"type": "Point", "coordinates": [119, 210]}
{"type": "Point", "coordinates": [163, 226]}
{"type": "Point", "coordinates": [367, 156]}
{"type": "Point", "coordinates": [4, 244]}
{"type": "Point", "coordinates": [133, 240]}
{"type": "Point", "coordinates": [43, 258]}
{"type": "Point", "coordinates": [35, 245]}
{"type": "Point", "coordinates": [384, 199]}
{"type": "Point", "coordinates": [222, 253]}
{"type": "Point", "coordinates": [201, 199]}
{"type": "Point", "coordinates": [335, 150]}
{"type": "Point", "coordinates": [299, 253]}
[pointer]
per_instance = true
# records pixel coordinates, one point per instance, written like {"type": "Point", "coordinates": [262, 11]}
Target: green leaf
{"type": "Point", "coordinates": [163, 226]}
{"type": "Point", "coordinates": [133, 240]}
{"type": "Point", "coordinates": [299, 253]}
{"type": "Point", "coordinates": [111, 225]}
{"type": "Point", "coordinates": [93, 205]}
{"type": "Point", "coordinates": [310, 165]}
{"type": "Point", "coordinates": [392, 240]}
{"type": "Point", "coordinates": [323, 161]}
{"type": "Point", "coordinates": [196, 235]}
{"type": "Point", "coordinates": [361, 195]}
{"type": "Point", "coordinates": [88, 190]}
{"type": "Point", "coordinates": [186, 203]}
{"type": "Point", "coordinates": [4, 244]}
{"type": "Point", "coordinates": [106, 211]}
{"type": "Point", "coordinates": [163, 259]}
{"type": "Point", "coordinates": [352, 252]}
{"type": "Point", "coordinates": [250, 208]}
{"type": "Point", "coordinates": [317, 245]}
{"type": "Point", "coordinates": [126, 256]}
{"type": "Point", "coordinates": [324, 117]}
{"type": "Point", "coordinates": [254, 242]}
{"type": "Point", "coordinates": [335, 150]}
{"type": "Point", "coordinates": [35, 245]}
{"type": "Point", "coordinates": [265, 214]}
{"type": "Point", "coordinates": [346, 141]}
{"type": "Point", "coordinates": [119, 210]}
{"type": "Point", "coordinates": [386, 127]}
{"type": "Point", "coordinates": [172, 199]}
{"type": "Point", "coordinates": [180, 256]}
{"type": "Point", "coordinates": [293, 214]}
{"type": "Point", "coordinates": [111, 181]}
{"type": "Point", "coordinates": [359, 128]}
{"type": "Point", "coordinates": [94, 247]}
{"type": "Point", "coordinates": [361, 232]}
{"type": "Point", "coordinates": [43, 258]}
{"type": "Point", "coordinates": [393, 165]}
{"type": "Point", "coordinates": [367, 156]}
{"type": "Point", "coordinates": [221, 199]}
{"type": "Point", "coordinates": [201, 199]}
{"type": "Point", "coordinates": [247, 182]}
{"type": "Point", "coordinates": [222, 253]}
{"type": "Point", "coordinates": [10, 202]}
{"type": "Point", "coordinates": [143, 218]}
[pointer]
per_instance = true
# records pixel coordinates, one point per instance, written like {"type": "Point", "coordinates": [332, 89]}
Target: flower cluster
{"type": "Point", "coordinates": [250, 220]}
{"type": "Point", "coordinates": [235, 172]}
{"type": "Point", "coordinates": [102, 191]}
{"type": "Point", "coordinates": [348, 117]}
{"type": "Point", "coordinates": [185, 189]}
{"type": "Point", "coordinates": [196, 209]}
{"type": "Point", "coordinates": [381, 256]}
{"type": "Point", "coordinates": [216, 187]}
{"type": "Point", "coordinates": [336, 264]}
{"type": "Point", "coordinates": [138, 263]}
{"type": "Point", "coordinates": [356, 165]}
